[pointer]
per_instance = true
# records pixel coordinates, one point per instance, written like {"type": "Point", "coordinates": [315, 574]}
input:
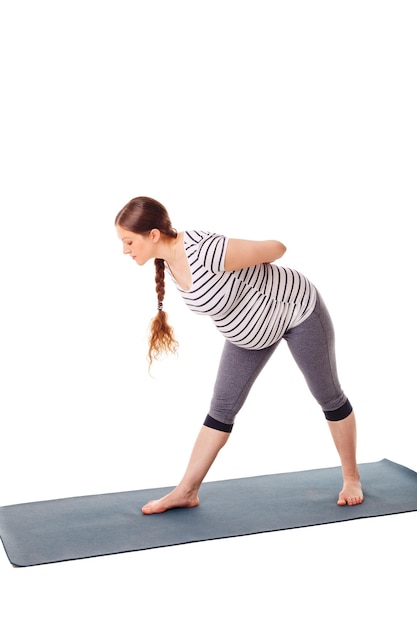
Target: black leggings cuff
{"type": "Point", "coordinates": [339, 414]}
{"type": "Point", "coordinates": [212, 423]}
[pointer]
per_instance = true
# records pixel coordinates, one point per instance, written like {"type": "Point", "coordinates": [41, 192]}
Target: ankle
{"type": "Point", "coordinates": [187, 491]}
{"type": "Point", "coordinates": [351, 476]}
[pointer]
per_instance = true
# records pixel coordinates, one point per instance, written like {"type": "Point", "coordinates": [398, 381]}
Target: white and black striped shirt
{"type": "Point", "coordinates": [251, 307]}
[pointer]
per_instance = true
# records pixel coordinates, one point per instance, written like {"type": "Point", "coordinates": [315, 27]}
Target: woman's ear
{"type": "Point", "coordinates": [155, 235]}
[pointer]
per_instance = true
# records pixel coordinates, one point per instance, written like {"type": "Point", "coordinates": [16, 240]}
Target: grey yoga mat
{"type": "Point", "coordinates": [74, 528]}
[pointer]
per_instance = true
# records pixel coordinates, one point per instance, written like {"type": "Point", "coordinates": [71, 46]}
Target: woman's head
{"type": "Point", "coordinates": [141, 224]}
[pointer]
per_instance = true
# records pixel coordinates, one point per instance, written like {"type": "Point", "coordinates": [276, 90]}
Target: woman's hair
{"type": "Point", "coordinates": [140, 216]}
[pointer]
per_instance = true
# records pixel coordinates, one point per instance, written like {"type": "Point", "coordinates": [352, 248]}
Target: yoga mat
{"type": "Point", "coordinates": [74, 528]}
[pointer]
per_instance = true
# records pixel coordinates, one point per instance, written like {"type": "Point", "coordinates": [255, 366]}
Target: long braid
{"type": "Point", "coordinates": [161, 337]}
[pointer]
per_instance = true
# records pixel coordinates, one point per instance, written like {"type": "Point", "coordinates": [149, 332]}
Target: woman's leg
{"type": "Point", "coordinates": [209, 442]}
{"type": "Point", "coordinates": [313, 348]}
{"type": "Point", "coordinates": [344, 437]}
{"type": "Point", "coordinates": [237, 372]}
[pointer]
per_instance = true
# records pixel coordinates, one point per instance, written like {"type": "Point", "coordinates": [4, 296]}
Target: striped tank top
{"type": "Point", "coordinates": [251, 307]}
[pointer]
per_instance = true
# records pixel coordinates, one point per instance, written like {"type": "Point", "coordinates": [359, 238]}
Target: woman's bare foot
{"type": "Point", "coordinates": [351, 493]}
{"type": "Point", "coordinates": [173, 500]}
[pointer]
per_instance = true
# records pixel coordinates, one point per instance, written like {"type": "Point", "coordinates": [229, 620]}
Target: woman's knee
{"type": "Point", "coordinates": [341, 413]}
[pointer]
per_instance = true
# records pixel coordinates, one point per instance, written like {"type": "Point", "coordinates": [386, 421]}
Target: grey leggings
{"type": "Point", "coordinates": [312, 346]}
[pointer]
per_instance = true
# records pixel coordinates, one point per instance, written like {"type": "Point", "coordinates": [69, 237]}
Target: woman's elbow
{"type": "Point", "coordinates": [280, 249]}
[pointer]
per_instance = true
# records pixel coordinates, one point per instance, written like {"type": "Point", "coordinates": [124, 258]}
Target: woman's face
{"type": "Point", "coordinates": [140, 247]}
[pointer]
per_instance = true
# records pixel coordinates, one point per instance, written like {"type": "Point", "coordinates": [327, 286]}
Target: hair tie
{"type": "Point", "coordinates": [160, 305]}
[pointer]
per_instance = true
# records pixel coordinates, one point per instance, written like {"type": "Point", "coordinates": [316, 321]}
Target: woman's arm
{"type": "Point", "coordinates": [242, 253]}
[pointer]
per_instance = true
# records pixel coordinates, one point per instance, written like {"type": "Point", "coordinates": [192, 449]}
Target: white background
{"type": "Point", "coordinates": [287, 120]}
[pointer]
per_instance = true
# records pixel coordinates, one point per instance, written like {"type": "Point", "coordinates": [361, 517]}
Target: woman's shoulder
{"type": "Point", "coordinates": [206, 247]}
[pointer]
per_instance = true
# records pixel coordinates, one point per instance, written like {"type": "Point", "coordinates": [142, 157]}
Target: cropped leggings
{"type": "Point", "coordinates": [312, 345]}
